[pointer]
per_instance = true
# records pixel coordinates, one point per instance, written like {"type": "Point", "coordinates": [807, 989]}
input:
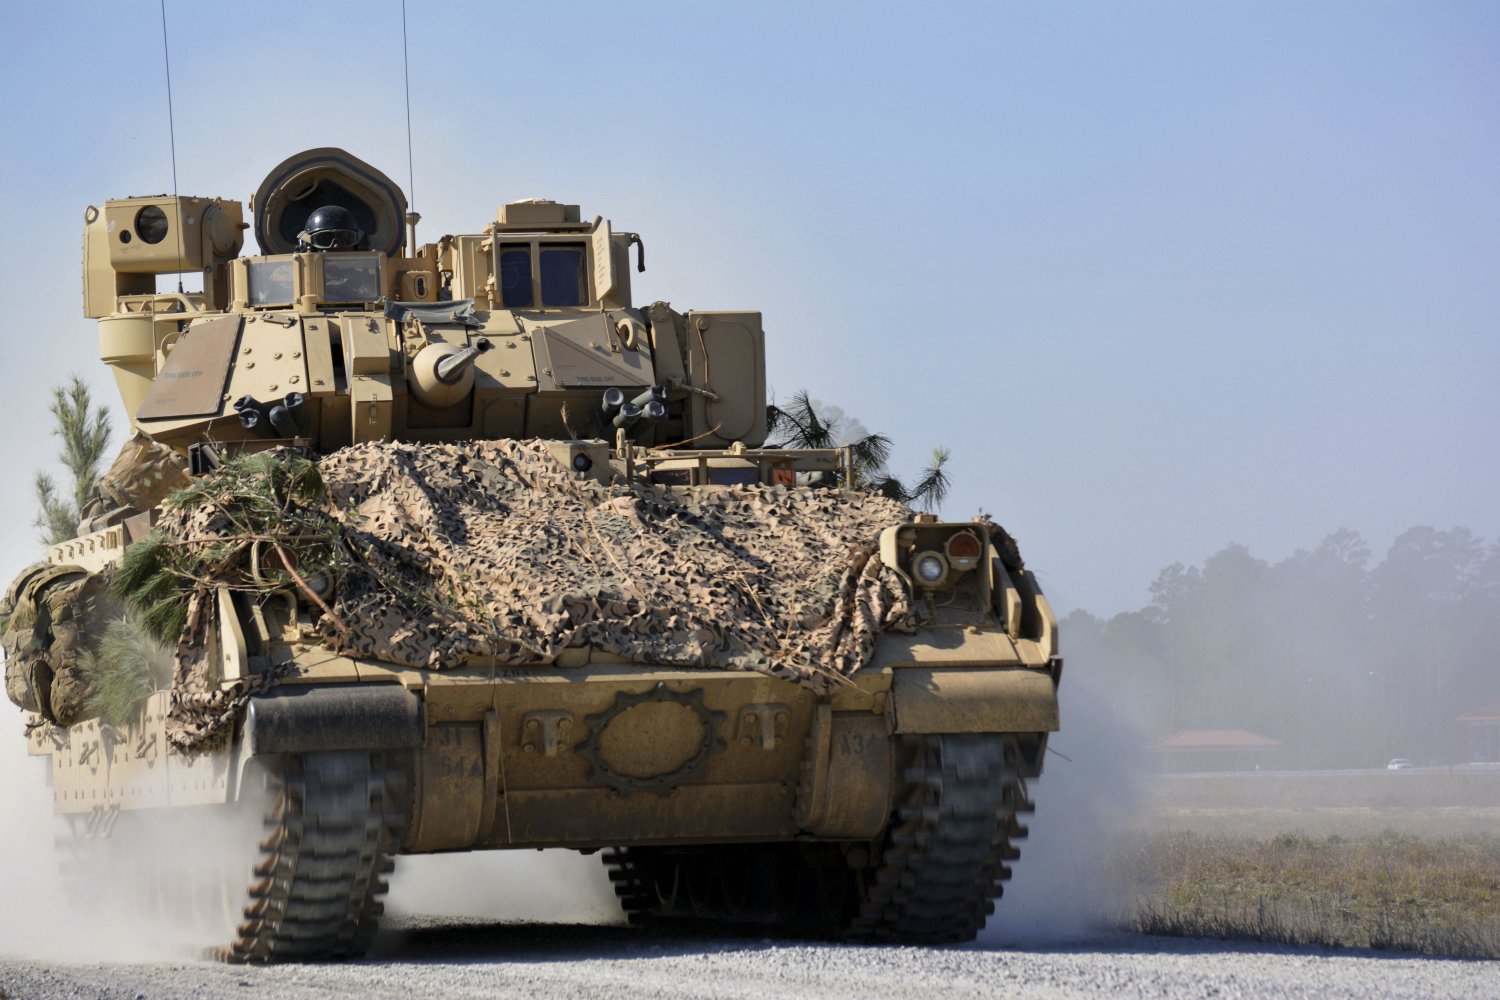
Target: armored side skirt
{"type": "Point", "coordinates": [506, 758]}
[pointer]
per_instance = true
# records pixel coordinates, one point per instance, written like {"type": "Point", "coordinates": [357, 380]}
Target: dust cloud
{"type": "Point", "coordinates": [1090, 801]}
{"type": "Point", "coordinates": [166, 889]}
{"type": "Point", "coordinates": [156, 889]}
{"type": "Point", "coordinates": [537, 886]}
{"type": "Point", "coordinates": [35, 919]}
{"type": "Point", "coordinates": [38, 920]}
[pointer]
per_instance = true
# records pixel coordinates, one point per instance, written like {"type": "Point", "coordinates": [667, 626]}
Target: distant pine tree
{"type": "Point", "coordinates": [85, 432]}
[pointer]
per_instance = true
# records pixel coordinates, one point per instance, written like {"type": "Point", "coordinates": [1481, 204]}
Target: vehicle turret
{"type": "Point", "coordinates": [520, 330]}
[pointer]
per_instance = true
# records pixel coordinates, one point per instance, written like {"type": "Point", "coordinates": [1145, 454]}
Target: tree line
{"type": "Point", "coordinates": [1346, 661]}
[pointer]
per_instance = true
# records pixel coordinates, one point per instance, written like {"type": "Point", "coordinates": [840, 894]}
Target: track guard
{"type": "Point", "coordinates": [1012, 700]}
{"type": "Point", "coordinates": [346, 717]}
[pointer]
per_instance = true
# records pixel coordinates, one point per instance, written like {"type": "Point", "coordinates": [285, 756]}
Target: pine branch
{"type": "Point", "coordinates": [932, 489]}
{"type": "Point", "coordinates": [871, 452]}
{"type": "Point", "coordinates": [57, 520]}
{"type": "Point", "coordinates": [85, 433]}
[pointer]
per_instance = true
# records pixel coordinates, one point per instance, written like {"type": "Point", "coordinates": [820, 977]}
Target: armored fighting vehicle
{"type": "Point", "coordinates": [453, 547]}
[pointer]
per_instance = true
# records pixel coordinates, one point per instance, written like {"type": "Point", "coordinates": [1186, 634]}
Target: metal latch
{"type": "Point", "coordinates": [542, 731]}
{"type": "Point", "coordinates": [764, 724]}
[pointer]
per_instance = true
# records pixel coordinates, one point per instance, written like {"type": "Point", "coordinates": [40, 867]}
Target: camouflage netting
{"type": "Point", "coordinates": [492, 550]}
{"type": "Point", "coordinates": [528, 559]}
{"type": "Point", "coordinates": [141, 476]}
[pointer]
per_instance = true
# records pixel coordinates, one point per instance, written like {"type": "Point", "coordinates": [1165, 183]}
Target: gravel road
{"type": "Point", "coordinates": [456, 957]}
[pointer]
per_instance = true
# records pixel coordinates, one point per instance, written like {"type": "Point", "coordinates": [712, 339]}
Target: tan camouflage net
{"type": "Point", "coordinates": [201, 711]}
{"type": "Point", "coordinates": [493, 550]}
{"type": "Point", "coordinates": [141, 476]}
{"type": "Point", "coordinates": [53, 618]}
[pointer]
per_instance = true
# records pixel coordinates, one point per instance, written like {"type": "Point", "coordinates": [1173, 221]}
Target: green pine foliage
{"type": "Point", "coordinates": [131, 663]}
{"type": "Point", "coordinates": [84, 431]}
{"type": "Point", "coordinates": [262, 502]}
{"type": "Point", "coordinates": [57, 519]}
{"type": "Point", "coordinates": [153, 588]}
{"type": "Point", "coordinates": [257, 490]}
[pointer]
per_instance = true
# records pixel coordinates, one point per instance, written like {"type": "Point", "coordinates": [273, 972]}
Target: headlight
{"type": "Point", "coordinates": [964, 550]}
{"type": "Point", "coordinates": [930, 568]}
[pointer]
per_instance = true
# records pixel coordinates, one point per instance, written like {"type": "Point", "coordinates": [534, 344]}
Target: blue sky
{"type": "Point", "coordinates": [1163, 276]}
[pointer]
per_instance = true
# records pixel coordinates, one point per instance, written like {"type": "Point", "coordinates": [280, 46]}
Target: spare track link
{"type": "Point", "coordinates": [946, 854]}
{"type": "Point", "coordinates": [334, 821]}
{"type": "Point", "coordinates": [935, 873]}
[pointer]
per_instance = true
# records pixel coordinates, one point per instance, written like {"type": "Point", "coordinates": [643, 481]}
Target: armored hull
{"type": "Point", "coordinates": [478, 555]}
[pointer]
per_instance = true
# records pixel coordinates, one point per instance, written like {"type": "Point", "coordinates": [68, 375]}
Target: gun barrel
{"type": "Point", "coordinates": [452, 368]}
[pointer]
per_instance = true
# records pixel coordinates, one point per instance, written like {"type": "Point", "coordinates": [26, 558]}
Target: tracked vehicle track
{"type": "Point", "coordinates": [932, 878]}
{"type": "Point", "coordinates": [945, 857]}
{"type": "Point", "coordinates": [307, 887]}
{"type": "Point", "coordinates": [334, 822]}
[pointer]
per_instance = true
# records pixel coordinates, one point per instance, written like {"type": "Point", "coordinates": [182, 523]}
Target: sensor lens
{"type": "Point", "coordinates": [151, 224]}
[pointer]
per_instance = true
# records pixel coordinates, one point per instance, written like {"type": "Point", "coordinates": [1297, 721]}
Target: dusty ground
{"type": "Point", "coordinates": [567, 942]}
{"type": "Point", "coordinates": [466, 958]}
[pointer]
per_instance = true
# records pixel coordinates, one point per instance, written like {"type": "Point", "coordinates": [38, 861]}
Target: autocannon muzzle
{"type": "Point", "coordinates": [451, 368]}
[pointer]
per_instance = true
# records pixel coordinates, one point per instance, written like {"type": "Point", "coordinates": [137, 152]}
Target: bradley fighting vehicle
{"type": "Point", "coordinates": [883, 803]}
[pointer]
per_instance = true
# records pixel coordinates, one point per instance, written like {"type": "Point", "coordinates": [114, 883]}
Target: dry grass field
{"type": "Point", "coordinates": [1405, 861]}
{"type": "Point", "coordinates": [1393, 891]}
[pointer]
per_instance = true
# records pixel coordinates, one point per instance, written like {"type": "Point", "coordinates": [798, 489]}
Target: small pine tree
{"type": "Point", "coordinates": [85, 431]}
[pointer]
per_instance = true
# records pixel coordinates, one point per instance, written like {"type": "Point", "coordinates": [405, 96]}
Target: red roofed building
{"type": "Point", "coordinates": [1482, 733]}
{"type": "Point", "coordinates": [1215, 750]}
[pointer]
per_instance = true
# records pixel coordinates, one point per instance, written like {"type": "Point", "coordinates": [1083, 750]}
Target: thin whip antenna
{"type": "Point", "coordinates": [172, 132]}
{"type": "Point", "coordinates": [411, 177]}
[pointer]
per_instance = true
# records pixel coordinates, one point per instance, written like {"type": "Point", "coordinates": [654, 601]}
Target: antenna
{"type": "Point", "coordinates": [412, 218]}
{"type": "Point", "coordinates": [172, 132]}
